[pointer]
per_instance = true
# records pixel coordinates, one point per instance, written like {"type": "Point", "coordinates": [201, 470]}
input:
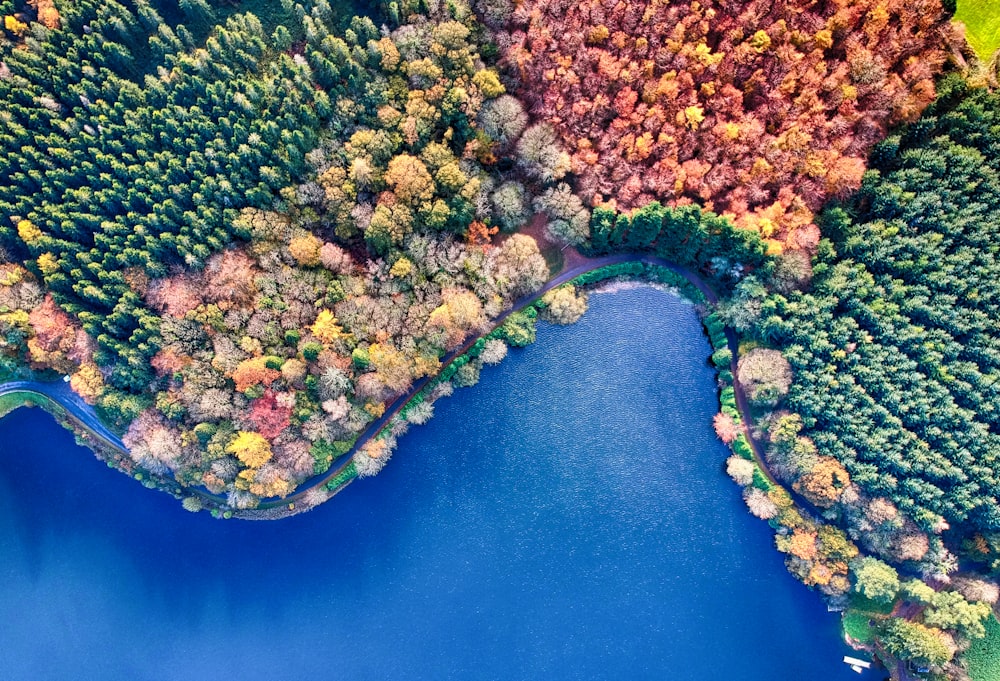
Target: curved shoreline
{"type": "Point", "coordinates": [86, 417]}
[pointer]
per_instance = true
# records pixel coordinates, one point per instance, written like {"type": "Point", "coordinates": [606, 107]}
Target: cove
{"type": "Point", "coordinates": [567, 518]}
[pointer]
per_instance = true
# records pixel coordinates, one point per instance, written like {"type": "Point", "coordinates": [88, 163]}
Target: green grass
{"type": "Point", "coordinates": [983, 656]}
{"type": "Point", "coordinates": [868, 606]}
{"type": "Point", "coordinates": [982, 25]}
{"type": "Point", "coordinates": [12, 401]}
{"type": "Point", "coordinates": [856, 626]}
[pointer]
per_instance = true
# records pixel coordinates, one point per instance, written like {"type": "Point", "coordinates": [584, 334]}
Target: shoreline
{"type": "Point", "coordinates": [82, 419]}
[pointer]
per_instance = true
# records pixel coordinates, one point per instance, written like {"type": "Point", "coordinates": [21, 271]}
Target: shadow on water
{"type": "Point", "coordinates": [567, 518]}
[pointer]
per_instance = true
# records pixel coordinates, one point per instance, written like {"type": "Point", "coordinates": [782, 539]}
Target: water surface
{"type": "Point", "coordinates": [567, 518]}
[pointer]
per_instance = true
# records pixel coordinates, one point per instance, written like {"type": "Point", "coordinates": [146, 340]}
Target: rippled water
{"type": "Point", "coordinates": [567, 518]}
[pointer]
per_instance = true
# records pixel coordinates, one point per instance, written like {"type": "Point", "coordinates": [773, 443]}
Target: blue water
{"type": "Point", "coordinates": [567, 518]}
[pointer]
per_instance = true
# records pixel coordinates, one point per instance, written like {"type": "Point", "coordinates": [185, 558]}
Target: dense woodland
{"type": "Point", "coordinates": [757, 110]}
{"type": "Point", "coordinates": [880, 408]}
{"type": "Point", "coordinates": [356, 168]}
{"type": "Point", "coordinates": [245, 238]}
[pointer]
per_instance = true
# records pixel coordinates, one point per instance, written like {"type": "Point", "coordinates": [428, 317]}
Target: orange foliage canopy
{"type": "Point", "coordinates": [254, 371]}
{"type": "Point", "coordinates": [756, 108]}
{"type": "Point", "coordinates": [58, 342]}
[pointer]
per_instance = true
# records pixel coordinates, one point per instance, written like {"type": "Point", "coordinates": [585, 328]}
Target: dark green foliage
{"type": "Point", "coordinates": [856, 625]}
{"type": "Point", "coordinates": [742, 447]}
{"type": "Point", "coordinates": [895, 350]}
{"type": "Point", "coordinates": [722, 358]}
{"type": "Point", "coordinates": [117, 170]}
{"type": "Point", "coordinates": [325, 453]}
{"type": "Point", "coordinates": [983, 656]}
{"type": "Point", "coordinates": [519, 328]}
{"type": "Point", "coordinates": [342, 478]}
{"type": "Point", "coordinates": [689, 236]}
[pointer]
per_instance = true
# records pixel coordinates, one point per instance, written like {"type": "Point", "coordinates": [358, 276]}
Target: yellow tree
{"type": "Point", "coordinates": [305, 249]}
{"type": "Point", "coordinates": [326, 328]}
{"type": "Point", "coordinates": [409, 179]}
{"type": "Point", "coordinates": [251, 448]}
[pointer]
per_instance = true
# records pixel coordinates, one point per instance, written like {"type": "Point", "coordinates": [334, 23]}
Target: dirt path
{"type": "Point", "coordinates": [574, 264]}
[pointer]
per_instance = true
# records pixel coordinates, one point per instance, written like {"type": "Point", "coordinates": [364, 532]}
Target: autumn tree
{"type": "Point", "coordinates": [563, 305]}
{"type": "Point", "coordinates": [756, 111]}
{"type": "Point", "coordinates": [251, 448]}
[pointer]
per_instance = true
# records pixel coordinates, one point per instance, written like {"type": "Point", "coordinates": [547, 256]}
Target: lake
{"type": "Point", "coordinates": [567, 518]}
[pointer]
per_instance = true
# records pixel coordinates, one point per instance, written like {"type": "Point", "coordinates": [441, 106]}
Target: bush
{"type": "Point", "coordinates": [742, 447]}
{"type": "Point", "coordinates": [856, 626]}
{"type": "Point", "coordinates": [722, 358]}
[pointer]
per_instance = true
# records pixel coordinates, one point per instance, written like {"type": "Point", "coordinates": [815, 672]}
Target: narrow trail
{"type": "Point", "coordinates": [85, 416]}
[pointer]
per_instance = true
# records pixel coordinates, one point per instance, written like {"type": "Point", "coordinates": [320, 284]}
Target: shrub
{"type": "Point", "coordinates": [740, 470]}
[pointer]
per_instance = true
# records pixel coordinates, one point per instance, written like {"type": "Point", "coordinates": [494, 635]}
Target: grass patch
{"type": "Point", "coordinates": [867, 606]}
{"type": "Point", "coordinates": [983, 656]}
{"type": "Point", "coordinates": [982, 25]}
{"type": "Point", "coordinates": [856, 626]}
{"type": "Point", "coordinates": [12, 401]}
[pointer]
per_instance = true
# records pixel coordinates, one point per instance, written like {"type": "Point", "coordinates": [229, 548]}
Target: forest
{"type": "Point", "coordinates": [262, 240]}
{"type": "Point", "coordinates": [874, 386]}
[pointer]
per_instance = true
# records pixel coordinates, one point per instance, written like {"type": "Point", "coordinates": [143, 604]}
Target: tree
{"type": "Point", "coordinates": [326, 328]}
{"type": "Point", "coordinates": [563, 305]}
{"type": "Point", "coordinates": [510, 205]}
{"type": "Point", "coordinates": [251, 448]}
{"type": "Point", "coordinates": [409, 179]}
{"type": "Point", "coordinates": [519, 266]}
{"type": "Point", "coordinates": [914, 641]}
{"type": "Point", "coordinates": [725, 427]}
{"type": "Point", "coordinates": [541, 155]}
{"type": "Point", "coordinates": [254, 372]}
{"type": "Point", "coordinates": [759, 504]}
{"type": "Point", "coordinates": [875, 580]}
{"type": "Point", "coordinates": [503, 119]}
{"type": "Point", "coordinates": [268, 417]}
{"type": "Point", "coordinates": [950, 610]}
{"type": "Point", "coordinates": [765, 375]}
{"type": "Point", "coordinates": [305, 249]}
{"type": "Point", "coordinates": [459, 314]}
{"type": "Point", "coordinates": [824, 483]}
{"type": "Point", "coordinates": [740, 470]}
{"type": "Point", "coordinates": [679, 102]}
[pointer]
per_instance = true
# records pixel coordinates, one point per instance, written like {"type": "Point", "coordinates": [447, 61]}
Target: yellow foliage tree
{"type": "Point", "coordinates": [251, 448]}
{"type": "Point", "coordinates": [326, 328]}
{"type": "Point", "coordinates": [393, 367]}
{"type": "Point", "coordinates": [409, 179]}
{"type": "Point", "coordinates": [28, 231]}
{"type": "Point", "coordinates": [47, 263]}
{"type": "Point", "coordinates": [488, 83]}
{"type": "Point", "coordinates": [824, 484]}
{"type": "Point", "coordinates": [401, 268]}
{"type": "Point", "coordinates": [305, 249]}
{"type": "Point", "coordinates": [88, 382]}
{"type": "Point", "coordinates": [16, 27]}
{"type": "Point", "coordinates": [460, 313]}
